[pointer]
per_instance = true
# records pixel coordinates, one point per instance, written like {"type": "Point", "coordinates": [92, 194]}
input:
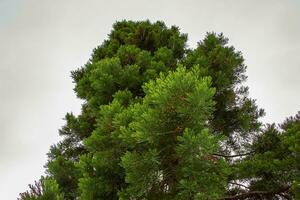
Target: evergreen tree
{"type": "Point", "coordinates": [162, 121]}
{"type": "Point", "coordinates": [44, 189]}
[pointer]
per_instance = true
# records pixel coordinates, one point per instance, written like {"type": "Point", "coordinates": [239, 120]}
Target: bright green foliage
{"type": "Point", "coordinates": [45, 189]}
{"type": "Point", "coordinates": [160, 129]}
{"type": "Point", "coordinates": [142, 174]}
{"type": "Point", "coordinates": [161, 121]}
{"type": "Point", "coordinates": [134, 53]}
{"type": "Point", "coordinates": [202, 176]}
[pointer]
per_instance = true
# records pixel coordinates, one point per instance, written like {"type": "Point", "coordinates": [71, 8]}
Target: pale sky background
{"type": "Point", "coordinates": [41, 41]}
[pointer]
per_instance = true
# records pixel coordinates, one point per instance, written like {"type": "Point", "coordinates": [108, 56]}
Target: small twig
{"type": "Point", "coordinates": [232, 156]}
{"type": "Point", "coordinates": [246, 195]}
{"type": "Point", "coordinates": [232, 183]}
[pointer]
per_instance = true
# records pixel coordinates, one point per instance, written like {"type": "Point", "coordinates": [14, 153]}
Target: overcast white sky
{"type": "Point", "coordinates": [41, 41]}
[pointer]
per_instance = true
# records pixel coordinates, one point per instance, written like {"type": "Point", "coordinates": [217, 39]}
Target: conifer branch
{"type": "Point", "coordinates": [257, 194]}
{"type": "Point", "coordinates": [232, 156]}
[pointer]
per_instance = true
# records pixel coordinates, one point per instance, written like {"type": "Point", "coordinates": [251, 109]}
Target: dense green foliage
{"type": "Point", "coordinates": [45, 189]}
{"type": "Point", "coordinates": [162, 121]}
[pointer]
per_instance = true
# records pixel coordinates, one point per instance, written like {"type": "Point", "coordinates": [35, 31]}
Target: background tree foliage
{"type": "Point", "coordinates": [162, 121]}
